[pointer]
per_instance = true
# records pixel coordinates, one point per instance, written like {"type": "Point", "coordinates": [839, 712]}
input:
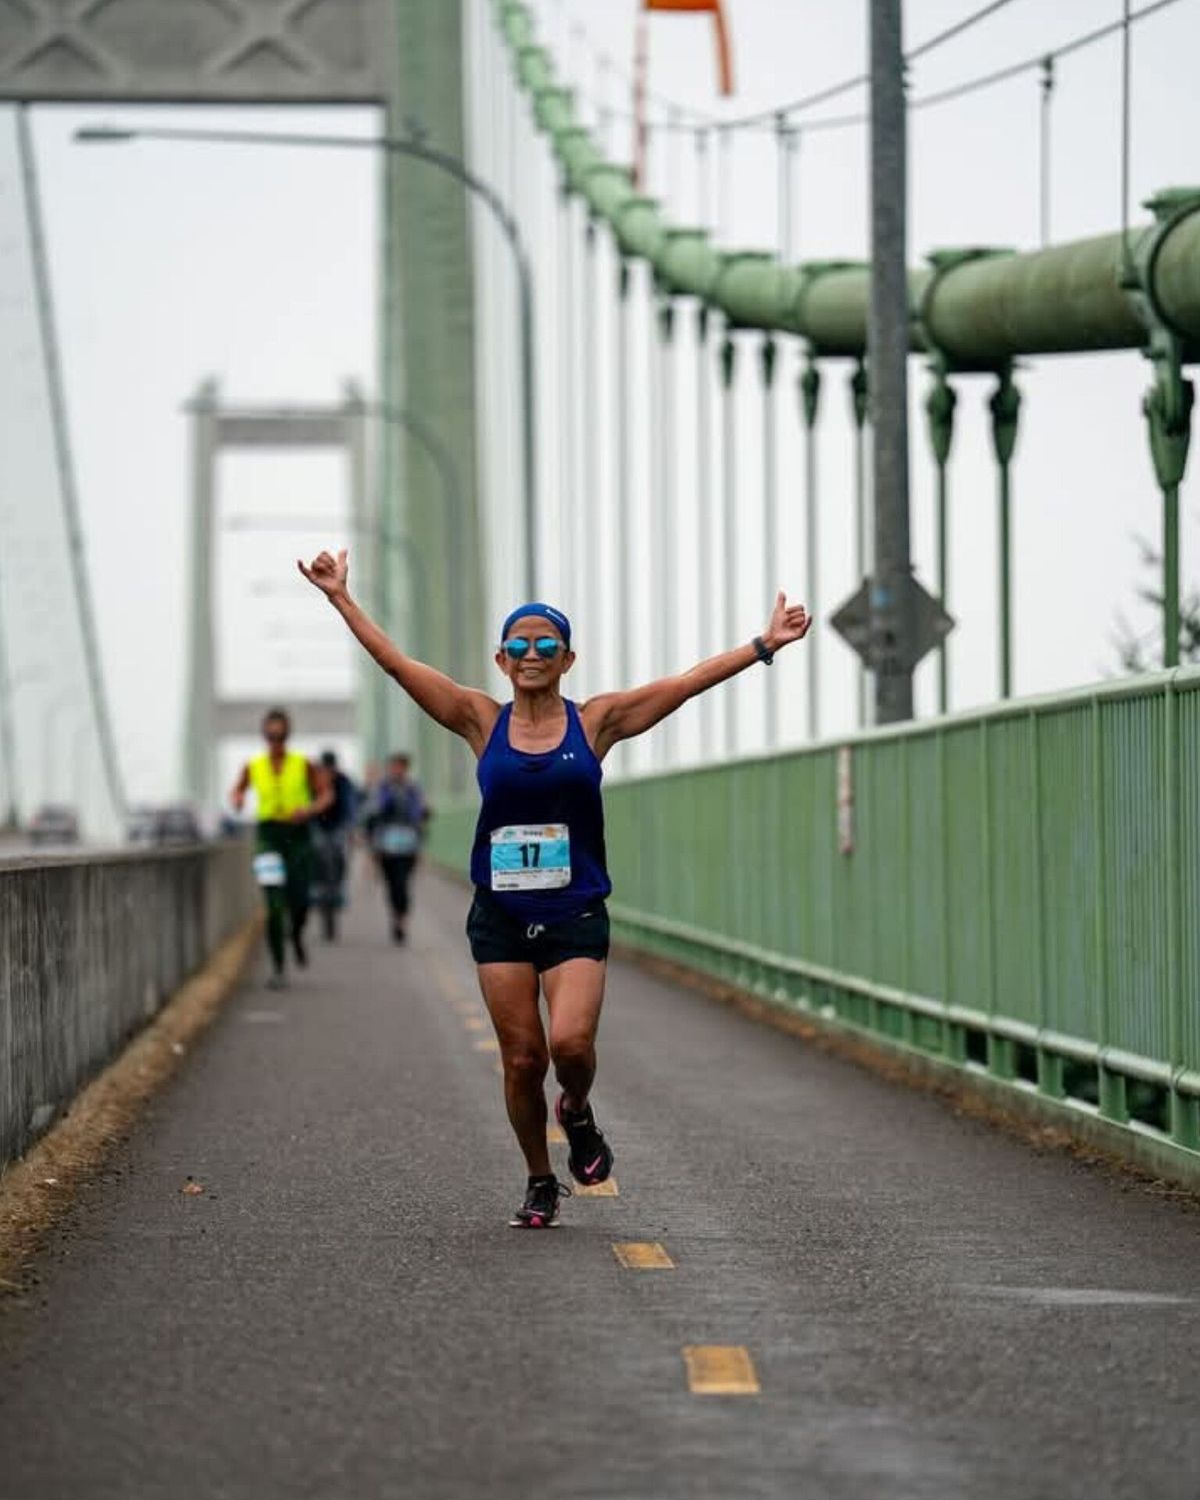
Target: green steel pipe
{"type": "Point", "coordinates": [754, 290]}
{"type": "Point", "coordinates": [1065, 299]}
{"type": "Point", "coordinates": [607, 190]}
{"type": "Point", "coordinates": [639, 227]}
{"type": "Point", "coordinates": [687, 265]}
{"type": "Point", "coordinates": [553, 108]}
{"type": "Point", "coordinates": [577, 154]}
{"type": "Point", "coordinates": [516, 24]}
{"type": "Point", "coordinates": [535, 69]}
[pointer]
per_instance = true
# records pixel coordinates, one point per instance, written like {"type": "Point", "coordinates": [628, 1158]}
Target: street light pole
{"type": "Point", "coordinates": [454, 517]}
{"type": "Point", "coordinates": [892, 614]}
{"type": "Point", "coordinates": [445, 162]}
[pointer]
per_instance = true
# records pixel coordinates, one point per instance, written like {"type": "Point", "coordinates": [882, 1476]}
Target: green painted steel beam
{"type": "Point", "coordinates": [979, 310]}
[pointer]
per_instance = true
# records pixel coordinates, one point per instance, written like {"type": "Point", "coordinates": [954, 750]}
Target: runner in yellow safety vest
{"type": "Point", "coordinates": [289, 792]}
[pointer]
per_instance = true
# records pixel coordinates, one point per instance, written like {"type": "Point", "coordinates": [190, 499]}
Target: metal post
{"type": "Point", "coordinates": [704, 516]}
{"type": "Point", "coordinates": [1044, 149]}
{"type": "Point", "coordinates": [1005, 407]}
{"type": "Point", "coordinates": [589, 563]}
{"type": "Point", "coordinates": [198, 768]}
{"type": "Point", "coordinates": [939, 408]}
{"type": "Point", "coordinates": [729, 530]}
{"type": "Point", "coordinates": [666, 503]}
{"type": "Point", "coordinates": [655, 537]}
{"type": "Point", "coordinates": [722, 193]}
{"type": "Point", "coordinates": [703, 205]}
{"type": "Point", "coordinates": [569, 556]}
{"type": "Point", "coordinates": [454, 531]}
{"type": "Point", "coordinates": [892, 617]}
{"type": "Point", "coordinates": [783, 165]}
{"type": "Point", "coordinates": [623, 551]}
{"type": "Point", "coordinates": [858, 412]}
{"type": "Point", "coordinates": [1168, 410]}
{"type": "Point", "coordinates": [810, 399]}
{"type": "Point", "coordinates": [369, 677]}
{"type": "Point", "coordinates": [770, 522]}
{"type": "Point", "coordinates": [528, 444]}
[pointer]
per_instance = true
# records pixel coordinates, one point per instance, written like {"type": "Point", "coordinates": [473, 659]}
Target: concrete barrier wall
{"type": "Point", "coordinates": [91, 946]}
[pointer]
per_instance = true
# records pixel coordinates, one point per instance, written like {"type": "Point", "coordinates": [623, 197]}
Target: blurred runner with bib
{"type": "Point", "coordinates": [395, 822]}
{"type": "Point", "coordinates": [289, 793]}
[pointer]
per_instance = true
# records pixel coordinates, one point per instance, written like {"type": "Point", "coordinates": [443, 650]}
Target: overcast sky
{"type": "Point", "coordinates": [258, 267]}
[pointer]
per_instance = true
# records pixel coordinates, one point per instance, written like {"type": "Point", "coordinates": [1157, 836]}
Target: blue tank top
{"type": "Point", "coordinates": [537, 791]}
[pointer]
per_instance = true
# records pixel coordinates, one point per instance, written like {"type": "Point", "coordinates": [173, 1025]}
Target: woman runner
{"type": "Point", "coordinates": [538, 919]}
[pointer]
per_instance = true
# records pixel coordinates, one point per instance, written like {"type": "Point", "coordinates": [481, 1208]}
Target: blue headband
{"type": "Point", "coordinates": [543, 612]}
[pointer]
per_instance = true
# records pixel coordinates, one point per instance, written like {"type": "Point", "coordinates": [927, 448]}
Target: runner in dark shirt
{"type": "Point", "coordinates": [395, 821]}
{"type": "Point", "coordinates": [538, 923]}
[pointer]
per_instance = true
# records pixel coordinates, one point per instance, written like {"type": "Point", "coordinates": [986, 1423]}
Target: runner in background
{"type": "Point", "coordinates": [289, 792]}
{"type": "Point", "coordinates": [395, 822]}
{"type": "Point", "coordinates": [331, 831]}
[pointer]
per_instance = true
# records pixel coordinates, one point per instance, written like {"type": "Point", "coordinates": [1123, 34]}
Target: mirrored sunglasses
{"type": "Point", "coordinates": [546, 646]}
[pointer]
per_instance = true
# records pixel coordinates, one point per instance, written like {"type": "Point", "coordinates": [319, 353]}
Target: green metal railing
{"type": "Point", "coordinates": [1008, 891]}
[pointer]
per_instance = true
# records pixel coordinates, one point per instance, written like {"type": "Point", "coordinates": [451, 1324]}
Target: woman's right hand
{"type": "Point", "coordinates": [327, 573]}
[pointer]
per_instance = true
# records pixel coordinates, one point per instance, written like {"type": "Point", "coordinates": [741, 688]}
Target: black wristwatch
{"type": "Point", "coordinates": [760, 650]}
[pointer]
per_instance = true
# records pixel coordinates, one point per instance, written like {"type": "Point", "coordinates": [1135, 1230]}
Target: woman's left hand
{"type": "Point", "coordinates": [789, 622]}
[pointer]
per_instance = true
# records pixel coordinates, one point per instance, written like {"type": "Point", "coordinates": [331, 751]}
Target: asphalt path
{"type": "Point", "coordinates": [928, 1307]}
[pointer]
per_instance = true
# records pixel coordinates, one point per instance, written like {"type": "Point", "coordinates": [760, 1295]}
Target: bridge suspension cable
{"type": "Point", "coordinates": [768, 118]}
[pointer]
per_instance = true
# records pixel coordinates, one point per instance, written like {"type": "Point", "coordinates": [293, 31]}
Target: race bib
{"type": "Point", "coordinates": [396, 838]}
{"type": "Point", "coordinates": [531, 858]}
{"type": "Point", "coordinates": [269, 868]}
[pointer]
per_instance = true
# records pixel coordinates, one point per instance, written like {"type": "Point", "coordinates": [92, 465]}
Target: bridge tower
{"type": "Point", "coordinates": [405, 56]}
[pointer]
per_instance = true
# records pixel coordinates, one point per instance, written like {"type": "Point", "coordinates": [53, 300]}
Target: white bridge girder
{"type": "Point", "coordinates": [197, 51]}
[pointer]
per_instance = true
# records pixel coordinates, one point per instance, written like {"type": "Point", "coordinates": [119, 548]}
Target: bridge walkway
{"type": "Point", "coordinates": [930, 1308]}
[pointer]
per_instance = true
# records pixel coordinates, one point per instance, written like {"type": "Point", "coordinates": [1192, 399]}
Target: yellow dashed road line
{"type": "Point", "coordinates": [486, 1044]}
{"type": "Point", "coordinates": [555, 1136]}
{"type": "Point", "coordinates": [599, 1190]}
{"type": "Point", "coordinates": [474, 1023]}
{"type": "Point", "coordinates": [638, 1255]}
{"type": "Point", "coordinates": [720, 1370]}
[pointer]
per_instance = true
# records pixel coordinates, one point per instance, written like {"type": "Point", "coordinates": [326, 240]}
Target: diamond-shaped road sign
{"type": "Point", "coordinates": [931, 626]}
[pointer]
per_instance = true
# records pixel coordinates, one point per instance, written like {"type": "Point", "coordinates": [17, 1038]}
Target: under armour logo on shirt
{"type": "Point", "coordinates": [568, 755]}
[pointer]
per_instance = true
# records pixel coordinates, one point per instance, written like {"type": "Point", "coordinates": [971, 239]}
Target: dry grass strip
{"type": "Point", "coordinates": [36, 1191]}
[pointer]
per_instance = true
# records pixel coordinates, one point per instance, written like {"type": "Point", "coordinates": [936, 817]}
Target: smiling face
{"type": "Point", "coordinates": [533, 671]}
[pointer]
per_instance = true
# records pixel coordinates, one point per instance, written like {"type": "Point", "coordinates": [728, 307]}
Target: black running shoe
{"type": "Point", "coordinates": [590, 1157]}
{"type": "Point", "coordinates": [540, 1209]}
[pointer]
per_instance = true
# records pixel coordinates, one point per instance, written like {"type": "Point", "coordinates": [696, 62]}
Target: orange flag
{"type": "Point", "coordinates": [712, 8]}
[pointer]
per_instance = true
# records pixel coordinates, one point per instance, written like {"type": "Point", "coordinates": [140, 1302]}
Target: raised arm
{"type": "Point", "coordinates": [464, 711]}
{"type": "Point", "coordinates": [612, 717]}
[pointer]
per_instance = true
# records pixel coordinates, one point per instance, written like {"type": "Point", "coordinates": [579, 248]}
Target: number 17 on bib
{"type": "Point", "coordinates": [531, 857]}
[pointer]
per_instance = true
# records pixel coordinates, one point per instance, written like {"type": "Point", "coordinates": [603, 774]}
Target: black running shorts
{"type": "Point", "coordinates": [497, 938]}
